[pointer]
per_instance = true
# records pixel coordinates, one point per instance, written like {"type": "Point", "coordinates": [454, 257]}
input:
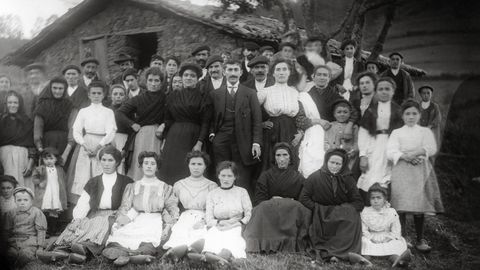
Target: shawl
{"type": "Point", "coordinates": [369, 119]}
{"type": "Point", "coordinates": [55, 112]}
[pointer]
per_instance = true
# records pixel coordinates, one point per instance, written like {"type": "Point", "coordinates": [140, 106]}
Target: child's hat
{"type": "Point", "coordinates": [24, 189]}
{"type": "Point", "coordinates": [425, 87]}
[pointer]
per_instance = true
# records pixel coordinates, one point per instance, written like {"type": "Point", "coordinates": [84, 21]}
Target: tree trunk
{"type": "Point", "coordinates": [389, 16]}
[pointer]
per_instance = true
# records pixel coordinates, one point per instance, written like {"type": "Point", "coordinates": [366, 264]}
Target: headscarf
{"type": "Point", "coordinates": [338, 179]}
{"type": "Point", "coordinates": [286, 146]}
{"type": "Point", "coordinates": [54, 110]}
{"type": "Point", "coordinates": [20, 114]}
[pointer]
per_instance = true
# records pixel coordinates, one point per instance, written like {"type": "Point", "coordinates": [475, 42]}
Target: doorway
{"type": "Point", "coordinates": [145, 45]}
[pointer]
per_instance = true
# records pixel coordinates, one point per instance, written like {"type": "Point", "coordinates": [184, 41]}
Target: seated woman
{"type": "Point", "coordinates": [192, 194]}
{"type": "Point", "coordinates": [100, 199]}
{"type": "Point", "coordinates": [228, 208]}
{"type": "Point", "coordinates": [333, 197]}
{"type": "Point", "coordinates": [149, 209]}
{"type": "Point", "coordinates": [381, 229]}
{"type": "Point", "coordinates": [275, 196]}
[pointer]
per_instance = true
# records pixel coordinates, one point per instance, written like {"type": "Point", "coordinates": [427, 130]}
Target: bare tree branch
{"type": "Point", "coordinates": [389, 16]}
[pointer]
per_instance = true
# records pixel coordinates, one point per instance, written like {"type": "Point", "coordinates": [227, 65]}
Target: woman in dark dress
{"type": "Point", "coordinates": [52, 117]}
{"type": "Point", "coordinates": [187, 118]}
{"type": "Point", "coordinates": [17, 150]}
{"type": "Point", "coordinates": [144, 114]}
{"type": "Point", "coordinates": [279, 222]}
{"type": "Point", "coordinates": [332, 195]}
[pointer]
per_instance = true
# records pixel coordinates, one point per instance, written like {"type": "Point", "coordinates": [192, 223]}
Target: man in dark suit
{"type": "Point", "coordinates": [130, 78]}
{"type": "Point", "coordinates": [236, 128]}
{"type": "Point", "coordinates": [405, 88]}
{"type": "Point", "coordinates": [89, 68]}
{"type": "Point", "coordinates": [259, 69]}
{"type": "Point", "coordinates": [249, 51]}
{"type": "Point", "coordinates": [201, 54]}
{"type": "Point", "coordinates": [215, 79]}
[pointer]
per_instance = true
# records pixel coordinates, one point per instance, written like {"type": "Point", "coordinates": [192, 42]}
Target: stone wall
{"type": "Point", "coordinates": [176, 35]}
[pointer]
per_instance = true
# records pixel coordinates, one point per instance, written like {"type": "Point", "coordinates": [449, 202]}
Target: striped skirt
{"type": "Point", "coordinates": [145, 140]}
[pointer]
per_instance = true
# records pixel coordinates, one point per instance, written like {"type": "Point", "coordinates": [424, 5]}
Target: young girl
{"type": "Point", "coordinates": [334, 136]}
{"type": "Point", "coordinates": [378, 122]}
{"type": "Point", "coordinates": [228, 208]}
{"type": "Point", "coordinates": [50, 188]}
{"type": "Point", "coordinates": [381, 231]}
{"type": "Point", "coordinates": [118, 94]}
{"type": "Point", "coordinates": [7, 185]}
{"type": "Point", "coordinates": [25, 227]}
{"type": "Point", "coordinates": [431, 115]}
{"type": "Point", "coordinates": [93, 128]}
{"type": "Point", "coordinates": [414, 183]}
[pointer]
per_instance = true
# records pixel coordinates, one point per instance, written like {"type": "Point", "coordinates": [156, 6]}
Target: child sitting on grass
{"type": "Point", "coordinates": [25, 227]}
{"type": "Point", "coordinates": [381, 231]}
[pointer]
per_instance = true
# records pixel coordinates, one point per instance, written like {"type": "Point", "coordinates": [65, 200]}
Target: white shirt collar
{"type": "Point", "coordinates": [235, 86]}
{"type": "Point", "coordinates": [425, 105]}
{"type": "Point", "coordinates": [71, 89]}
{"type": "Point", "coordinates": [395, 71]}
{"type": "Point", "coordinates": [109, 177]}
{"type": "Point", "coordinates": [87, 80]}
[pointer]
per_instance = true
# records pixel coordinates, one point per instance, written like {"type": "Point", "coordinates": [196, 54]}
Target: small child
{"type": "Point", "coordinates": [381, 231]}
{"type": "Point", "coordinates": [25, 227]}
{"type": "Point", "coordinates": [7, 185]}
{"type": "Point", "coordinates": [431, 116]}
{"type": "Point", "coordinates": [50, 188]}
{"type": "Point", "coordinates": [334, 136]}
{"type": "Point", "coordinates": [414, 183]}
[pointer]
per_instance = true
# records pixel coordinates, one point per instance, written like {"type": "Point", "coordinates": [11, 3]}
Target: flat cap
{"type": "Point", "coordinates": [287, 44]}
{"type": "Point", "coordinates": [252, 46]}
{"type": "Point", "coordinates": [395, 53]}
{"type": "Point", "coordinates": [39, 66]}
{"type": "Point", "coordinates": [426, 86]}
{"type": "Point", "coordinates": [156, 57]}
{"type": "Point", "coordinates": [258, 60]}
{"type": "Point", "coordinates": [68, 67]}
{"type": "Point", "coordinates": [212, 59]}
{"type": "Point", "coordinates": [199, 49]}
{"type": "Point", "coordinates": [266, 48]}
{"type": "Point", "coordinates": [372, 62]}
{"type": "Point", "coordinates": [24, 189]}
{"type": "Point", "coordinates": [89, 60]}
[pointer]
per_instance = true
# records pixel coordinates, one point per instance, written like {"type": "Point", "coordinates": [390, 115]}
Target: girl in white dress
{"type": "Point", "coordinates": [381, 231]}
{"type": "Point", "coordinates": [97, 122]}
{"type": "Point", "coordinates": [192, 195]}
{"type": "Point", "coordinates": [414, 183]}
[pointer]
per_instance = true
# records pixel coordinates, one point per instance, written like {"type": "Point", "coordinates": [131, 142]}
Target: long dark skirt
{"type": "Point", "coordinates": [278, 225]}
{"type": "Point", "coordinates": [283, 130]}
{"type": "Point", "coordinates": [57, 139]}
{"type": "Point", "coordinates": [180, 140]}
{"type": "Point", "coordinates": [336, 231]}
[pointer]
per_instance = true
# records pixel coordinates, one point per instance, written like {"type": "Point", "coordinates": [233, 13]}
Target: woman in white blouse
{"type": "Point", "coordinates": [93, 128]}
{"type": "Point", "coordinates": [99, 201]}
{"type": "Point", "coordinates": [286, 113]}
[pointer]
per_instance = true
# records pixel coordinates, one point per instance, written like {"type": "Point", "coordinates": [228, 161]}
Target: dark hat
{"type": "Point", "coordinates": [212, 59]}
{"type": "Point", "coordinates": [266, 48]}
{"type": "Point", "coordinates": [156, 57]}
{"type": "Point", "coordinates": [287, 44]}
{"type": "Point", "coordinates": [128, 72]}
{"type": "Point", "coordinates": [341, 101]}
{"type": "Point", "coordinates": [123, 57]}
{"type": "Point", "coordinates": [320, 38]}
{"type": "Point", "coordinates": [258, 60]}
{"type": "Point", "coordinates": [200, 48]}
{"type": "Point", "coordinates": [395, 53]}
{"type": "Point", "coordinates": [425, 86]}
{"type": "Point", "coordinates": [8, 178]}
{"type": "Point", "coordinates": [372, 62]}
{"type": "Point", "coordinates": [89, 60]}
{"type": "Point", "coordinates": [252, 46]}
{"type": "Point", "coordinates": [65, 69]}
{"type": "Point", "coordinates": [191, 66]}
{"type": "Point", "coordinates": [347, 42]}
{"type": "Point", "coordinates": [39, 66]}
{"type": "Point", "coordinates": [23, 189]}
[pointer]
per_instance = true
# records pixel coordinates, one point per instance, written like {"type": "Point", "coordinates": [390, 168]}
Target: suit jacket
{"type": "Point", "coordinates": [251, 82]}
{"type": "Point", "coordinates": [207, 86]}
{"type": "Point", "coordinates": [248, 119]}
{"type": "Point", "coordinates": [408, 88]}
{"type": "Point", "coordinates": [246, 75]}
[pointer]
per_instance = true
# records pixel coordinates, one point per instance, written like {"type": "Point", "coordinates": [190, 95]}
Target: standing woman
{"type": "Point", "coordinates": [366, 83]}
{"type": "Point", "coordinates": [172, 64]}
{"type": "Point", "coordinates": [118, 94]}
{"type": "Point", "coordinates": [5, 84]}
{"type": "Point", "coordinates": [149, 210]}
{"type": "Point", "coordinates": [52, 117]}
{"type": "Point", "coordinates": [93, 128]}
{"type": "Point", "coordinates": [17, 149]}
{"type": "Point", "coordinates": [144, 114]}
{"type": "Point", "coordinates": [99, 201]}
{"type": "Point", "coordinates": [350, 68]}
{"type": "Point", "coordinates": [281, 104]}
{"type": "Point", "coordinates": [187, 118]}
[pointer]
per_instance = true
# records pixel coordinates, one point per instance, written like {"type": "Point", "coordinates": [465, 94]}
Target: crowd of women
{"type": "Point", "coordinates": [170, 160]}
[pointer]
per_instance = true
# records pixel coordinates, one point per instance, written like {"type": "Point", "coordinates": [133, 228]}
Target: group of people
{"type": "Point", "coordinates": [215, 158]}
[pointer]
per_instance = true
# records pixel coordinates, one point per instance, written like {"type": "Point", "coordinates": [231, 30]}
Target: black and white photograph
{"type": "Point", "coordinates": [240, 134]}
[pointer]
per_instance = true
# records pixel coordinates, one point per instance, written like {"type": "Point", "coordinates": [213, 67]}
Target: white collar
{"type": "Point", "coordinates": [235, 85]}
{"type": "Point", "coordinates": [425, 105]}
{"type": "Point", "coordinates": [216, 80]}
{"type": "Point", "coordinates": [262, 82]}
{"type": "Point", "coordinates": [395, 71]}
{"type": "Point", "coordinates": [109, 177]}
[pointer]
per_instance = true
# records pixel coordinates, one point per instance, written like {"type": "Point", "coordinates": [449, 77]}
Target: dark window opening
{"type": "Point", "coordinates": [146, 45]}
